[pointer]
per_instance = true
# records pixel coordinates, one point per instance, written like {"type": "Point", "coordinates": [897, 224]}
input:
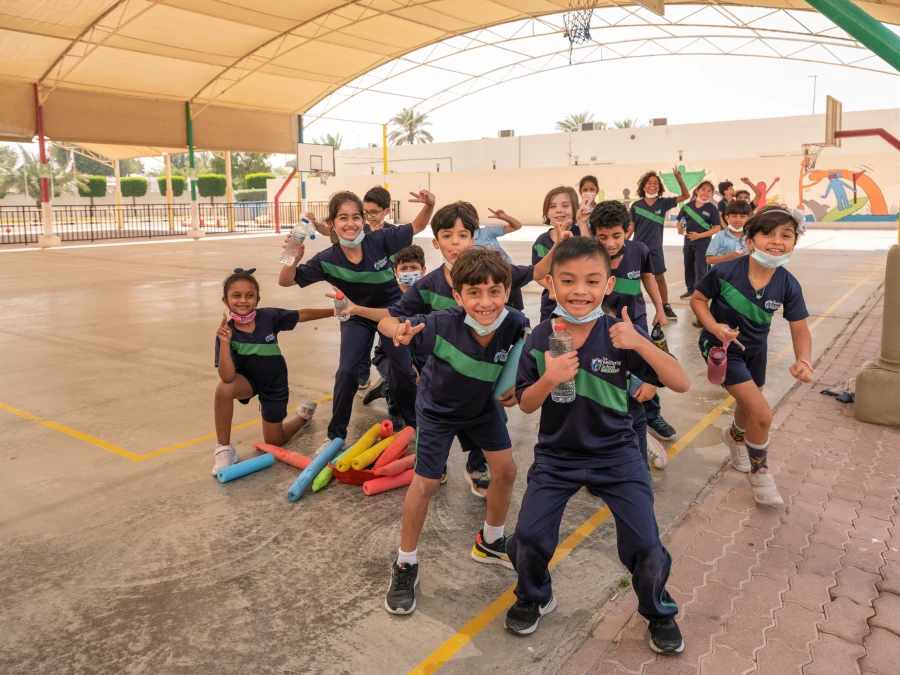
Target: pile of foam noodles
{"type": "Point", "coordinates": [377, 461]}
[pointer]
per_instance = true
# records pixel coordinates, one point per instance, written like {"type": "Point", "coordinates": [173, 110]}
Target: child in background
{"type": "Point", "coordinates": [740, 298]}
{"type": "Point", "coordinates": [409, 266]}
{"type": "Point", "coordinates": [561, 209]}
{"type": "Point", "coordinates": [730, 243]}
{"type": "Point", "coordinates": [466, 348]}
{"type": "Point", "coordinates": [487, 235]}
{"type": "Point", "coordinates": [648, 218]}
{"type": "Point", "coordinates": [698, 220]}
{"type": "Point", "coordinates": [250, 364]}
{"type": "Point", "coordinates": [588, 188]}
{"type": "Point", "coordinates": [359, 265]}
{"type": "Point", "coordinates": [590, 441]}
{"type": "Point", "coordinates": [631, 267]}
{"type": "Point", "coordinates": [726, 189]}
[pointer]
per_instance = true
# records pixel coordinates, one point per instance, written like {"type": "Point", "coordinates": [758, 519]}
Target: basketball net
{"type": "Point", "coordinates": [577, 23]}
{"type": "Point", "coordinates": [811, 153]}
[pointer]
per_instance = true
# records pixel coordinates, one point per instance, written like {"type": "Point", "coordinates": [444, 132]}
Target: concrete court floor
{"type": "Point", "coordinates": [121, 554]}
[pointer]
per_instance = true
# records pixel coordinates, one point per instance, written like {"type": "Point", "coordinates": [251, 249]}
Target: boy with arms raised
{"type": "Point", "coordinates": [590, 441]}
{"type": "Point", "coordinates": [467, 347]}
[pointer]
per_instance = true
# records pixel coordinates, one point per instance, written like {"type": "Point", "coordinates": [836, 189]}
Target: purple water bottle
{"type": "Point", "coordinates": [717, 362]}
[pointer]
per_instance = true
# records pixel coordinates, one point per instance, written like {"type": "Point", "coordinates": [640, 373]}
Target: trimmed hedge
{"type": "Point", "coordinates": [210, 185]}
{"type": "Point", "coordinates": [257, 181]}
{"type": "Point", "coordinates": [134, 186]}
{"type": "Point", "coordinates": [96, 187]}
{"type": "Point", "coordinates": [251, 195]}
{"type": "Point", "coordinates": [178, 184]}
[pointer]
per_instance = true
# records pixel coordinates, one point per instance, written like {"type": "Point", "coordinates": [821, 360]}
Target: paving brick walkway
{"type": "Point", "coordinates": [811, 588]}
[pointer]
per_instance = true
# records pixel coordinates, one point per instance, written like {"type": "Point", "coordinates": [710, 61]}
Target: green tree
{"type": "Point", "coordinates": [242, 163]}
{"type": "Point", "coordinates": [92, 187]}
{"type": "Point", "coordinates": [211, 185]}
{"type": "Point", "coordinates": [626, 123]}
{"type": "Point", "coordinates": [257, 181]}
{"type": "Point", "coordinates": [27, 178]}
{"type": "Point", "coordinates": [8, 158]}
{"type": "Point", "coordinates": [178, 184]}
{"type": "Point", "coordinates": [334, 141]}
{"type": "Point", "coordinates": [202, 161]}
{"type": "Point", "coordinates": [134, 187]}
{"type": "Point", "coordinates": [409, 128]}
{"type": "Point", "coordinates": [574, 121]}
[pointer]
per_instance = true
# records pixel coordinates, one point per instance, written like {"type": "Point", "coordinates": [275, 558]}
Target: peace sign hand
{"type": "Point", "coordinates": [404, 332]}
{"type": "Point", "coordinates": [224, 332]}
{"type": "Point", "coordinates": [422, 197]}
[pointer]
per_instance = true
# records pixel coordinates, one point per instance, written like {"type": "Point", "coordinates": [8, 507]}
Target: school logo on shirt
{"type": "Point", "coordinates": [270, 337]}
{"type": "Point", "coordinates": [634, 275]}
{"type": "Point", "coordinates": [501, 356]}
{"type": "Point", "coordinates": [773, 305]}
{"type": "Point", "coordinates": [659, 212]}
{"type": "Point", "coordinates": [605, 365]}
{"type": "Point", "coordinates": [381, 263]}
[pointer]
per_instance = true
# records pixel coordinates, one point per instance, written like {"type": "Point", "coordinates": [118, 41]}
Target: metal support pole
{"type": "Point", "coordinates": [871, 32]}
{"type": "Point", "coordinates": [384, 153]}
{"type": "Point", "coordinates": [196, 232]}
{"type": "Point", "coordinates": [229, 192]}
{"type": "Point", "coordinates": [120, 219]}
{"type": "Point", "coordinates": [302, 174]}
{"type": "Point", "coordinates": [170, 196]}
{"type": "Point", "coordinates": [47, 239]}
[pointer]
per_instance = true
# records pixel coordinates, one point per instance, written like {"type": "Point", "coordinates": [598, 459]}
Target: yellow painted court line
{"type": "Point", "coordinates": [434, 661]}
{"type": "Point", "coordinates": [115, 449]}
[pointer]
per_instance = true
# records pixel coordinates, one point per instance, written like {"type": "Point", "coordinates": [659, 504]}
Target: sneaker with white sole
{"type": "Point", "coordinates": [401, 595]}
{"type": "Point", "coordinates": [661, 429]}
{"type": "Point", "coordinates": [324, 445]}
{"type": "Point", "coordinates": [669, 312]}
{"type": "Point", "coordinates": [656, 453]}
{"type": "Point", "coordinates": [665, 637]}
{"type": "Point", "coordinates": [493, 553]}
{"type": "Point", "coordinates": [522, 618]}
{"type": "Point", "coordinates": [479, 480]}
{"type": "Point", "coordinates": [764, 491]}
{"type": "Point", "coordinates": [306, 410]}
{"type": "Point", "coordinates": [225, 455]}
{"type": "Point", "coordinates": [740, 460]}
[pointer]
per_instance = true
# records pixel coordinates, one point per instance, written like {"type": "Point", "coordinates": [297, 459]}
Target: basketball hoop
{"type": "Point", "coordinates": [811, 153]}
{"type": "Point", "coordinates": [577, 23]}
{"type": "Point", "coordinates": [323, 176]}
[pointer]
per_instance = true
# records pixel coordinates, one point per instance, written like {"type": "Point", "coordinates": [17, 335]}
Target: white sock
{"type": "Point", "coordinates": [411, 558]}
{"type": "Point", "coordinates": [492, 533]}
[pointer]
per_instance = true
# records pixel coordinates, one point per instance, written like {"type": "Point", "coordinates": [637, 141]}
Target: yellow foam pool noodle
{"type": "Point", "coordinates": [363, 444]}
{"type": "Point", "coordinates": [362, 460]}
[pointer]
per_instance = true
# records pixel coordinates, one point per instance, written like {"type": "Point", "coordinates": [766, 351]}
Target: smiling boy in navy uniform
{"type": "Point", "coordinates": [648, 218]}
{"type": "Point", "coordinates": [631, 268]}
{"type": "Point", "coordinates": [359, 265]}
{"type": "Point", "coordinates": [467, 347]}
{"type": "Point", "coordinates": [590, 441]}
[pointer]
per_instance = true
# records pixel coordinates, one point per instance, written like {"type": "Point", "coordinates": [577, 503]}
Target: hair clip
{"type": "Point", "coordinates": [238, 270]}
{"type": "Point", "coordinates": [800, 217]}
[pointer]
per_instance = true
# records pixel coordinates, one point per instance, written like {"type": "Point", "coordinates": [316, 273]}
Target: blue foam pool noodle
{"type": "Point", "coordinates": [245, 467]}
{"type": "Point", "coordinates": [507, 379]}
{"type": "Point", "coordinates": [305, 479]}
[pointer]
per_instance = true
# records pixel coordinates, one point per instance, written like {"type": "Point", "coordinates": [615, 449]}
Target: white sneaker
{"type": "Point", "coordinates": [656, 453]}
{"type": "Point", "coordinates": [306, 410]}
{"type": "Point", "coordinates": [740, 460]}
{"type": "Point", "coordinates": [764, 491]}
{"type": "Point", "coordinates": [324, 445]}
{"type": "Point", "coordinates": [226, 455]}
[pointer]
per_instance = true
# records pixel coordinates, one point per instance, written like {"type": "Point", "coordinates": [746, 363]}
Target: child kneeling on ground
{"type": "Point", "coordinates": [467, 347]}
{"type": "Point", "coordinates": [590, 442]}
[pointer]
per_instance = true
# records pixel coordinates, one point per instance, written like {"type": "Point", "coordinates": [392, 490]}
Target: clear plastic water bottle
{"type": "Point", "coordinates": [683, 224]}
{"type": "Point", "coordinates": [717, 361]}
{"type": "Point", "coordinates": [561, 343]}
{"type": "Point", "coordinates": [340, 304]}
{"type": "Point", "coordinates": [298, 235]}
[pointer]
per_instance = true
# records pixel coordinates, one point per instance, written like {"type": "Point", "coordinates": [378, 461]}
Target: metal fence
{"type": "Point", "coordinates": [22, 224]}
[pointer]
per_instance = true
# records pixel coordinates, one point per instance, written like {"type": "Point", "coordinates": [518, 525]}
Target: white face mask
{"type": "Point", "coordinates": [447, 263]}
{"type": "Point", "coordinates": [486, 330]}
{"type": "Point", "coordinates": [769, 261]}
{"type": "Point", "coordinates": [353, 243]}
{"type": "Point", "coordinates": [651, 195]}
{"type": "Point", "coordinates": [736, 230]}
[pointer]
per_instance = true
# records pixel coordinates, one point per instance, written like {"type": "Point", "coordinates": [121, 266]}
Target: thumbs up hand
{"type": "Point", "coordinates": [623, 334]}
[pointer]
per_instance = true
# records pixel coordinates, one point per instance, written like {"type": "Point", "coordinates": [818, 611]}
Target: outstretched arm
{"type": "Point", "coordinates": [315, 314]}
{"type": "Point", "coordinates": [511, 223]}
{"type": "Point", "coordinates": [424, 217]}
{"type": "Point", "coordinates": [323, 228]}
{"type": "Point", "coordinates": [685, 193]}
{"type": "Point", "coordinates": [756, 193]}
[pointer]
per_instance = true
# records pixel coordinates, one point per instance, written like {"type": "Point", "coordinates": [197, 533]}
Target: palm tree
{"type": "Point", "coordinates": [334, 141]}
{"type": "Point", "coordinates": [626, 124]}
{"type": "Point", "coordinates": [409, 128]}
{"type": "Point", "coordinates": [8, 159]}
{"type": "Point", "coordinates": [27, 178]}
{"type": "Point", "coordinates": [573, 122]}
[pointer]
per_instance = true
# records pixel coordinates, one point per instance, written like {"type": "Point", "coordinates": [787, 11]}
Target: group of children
{"type": "Point", "coordinates": [446, 335]}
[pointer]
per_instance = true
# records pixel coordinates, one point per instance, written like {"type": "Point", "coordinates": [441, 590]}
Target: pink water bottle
{"type": "Point", "coordinates": [717, 362]}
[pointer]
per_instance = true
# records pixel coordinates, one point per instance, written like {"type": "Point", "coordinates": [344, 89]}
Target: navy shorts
{"type": "Point", "coordinates": [741, 366]}
{"type": "Point", "coordinates": [273, 410]}
{"type": "Point", "coordinates": [433, 441]}
{"type": "Point", "coordinates": [657, 261]}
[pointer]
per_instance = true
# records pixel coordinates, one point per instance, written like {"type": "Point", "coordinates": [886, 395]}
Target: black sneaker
{"type": "Point", "coordinates": [670, 313]}
{"type": "Point", "coordinates": [665, 637]}
{"type": "Point", "coordinates": [479, 479]}
{"type": "Point", "coordinates": [491, 554]}
{"type": "Point", "coordinates": [374, 393]}
{"type": "Point", "coordinates": [661, 429]}
{"type": "Point", "coordinates": [397, 422]}
{"type": "Point", "coordinates": [401, 596]}
{"type": "Point", "coordinates": [686, 295]}
{"type": "Point", "coordinates": [522, 618]}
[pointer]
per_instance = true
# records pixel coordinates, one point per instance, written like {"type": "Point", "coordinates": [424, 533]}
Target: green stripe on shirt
{"type": "Point", "coordinates": [649, 215]}
{"type": "Point", "coordinates": [465, 364]}
{"type": "Point", "coordinates": [338, 272]}
{"type": "Point", "coordinates": [741, 304]}
{"type": "Point", "coordinates": [436, 300]}
{"type": "Point", "coordinates": [589, 386]}
{"type": "Point", "coordinates": [248, 348]}
{"type": "Point", "coordinates": [696, 217]}
{"type": "Point", "coordinates": [541, 250]}
{"type": "Point", "coordinates": [627, 286]}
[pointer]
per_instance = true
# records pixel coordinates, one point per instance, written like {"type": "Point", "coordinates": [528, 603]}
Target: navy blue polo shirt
{"type": "Point", "coordinates": [594, 430]}
{"type": "Point", "coordinates": [257, 355]}
{"type": "Point", "coordinates": [699, 219]}
{"type": "Point", "coordinates": [734, 302]}
{"type": "Point", "coordinates": [649, 221]}
{"type": "Point", "coordinates": [457, 384]}
{"type": "Point", "coordinates": [627, 291]}
{"type": "Point", "coordinates": [433, 292]}
{"type": "Point", "coordinates": [539, 251]}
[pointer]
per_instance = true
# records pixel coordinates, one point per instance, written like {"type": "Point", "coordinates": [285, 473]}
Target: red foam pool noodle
{"type": "Point", "coordinates": [396, 449]}
{"type": "Point", "coordinates": [286, 456]}
{"type": "Point", "coordinates": [387, 429]}
{"type": "Point", "coordinates": [377, 485]}
{"type": "Point", "coordinates": [397, 466]}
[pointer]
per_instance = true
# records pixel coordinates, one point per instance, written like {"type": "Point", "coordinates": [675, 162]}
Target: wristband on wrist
{"type": "Point", "coordinates": [807, 364]}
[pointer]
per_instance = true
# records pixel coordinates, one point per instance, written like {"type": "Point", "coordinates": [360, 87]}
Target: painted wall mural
{"type": "Point", "coordinates": [833, 195]}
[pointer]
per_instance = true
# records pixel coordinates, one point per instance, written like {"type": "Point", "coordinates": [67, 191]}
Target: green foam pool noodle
{"type": "Point", "coordinates": [322, 479]}
{"type": "Point", "coordinates": [507, 379]}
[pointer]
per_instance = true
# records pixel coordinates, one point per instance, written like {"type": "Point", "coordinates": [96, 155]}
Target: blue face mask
{"type": "Point", "coordinates": [486, 330]}
{"type": "Point", "coordinates": [770, 262]}
{"type": "Point", "coordinates": [353, 243]}
{"type": "Point", "coordinates": [408, 278]}
{"type": "Point", "coordinates": [587, 318]}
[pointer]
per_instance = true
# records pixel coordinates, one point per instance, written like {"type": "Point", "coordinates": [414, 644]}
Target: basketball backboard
{"type": "Point", "coordinates": [655, 6]}
{"type": "Point", "coordinates": [313, 157]}
{"type": "Point", "coordinates": [834, 112]}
